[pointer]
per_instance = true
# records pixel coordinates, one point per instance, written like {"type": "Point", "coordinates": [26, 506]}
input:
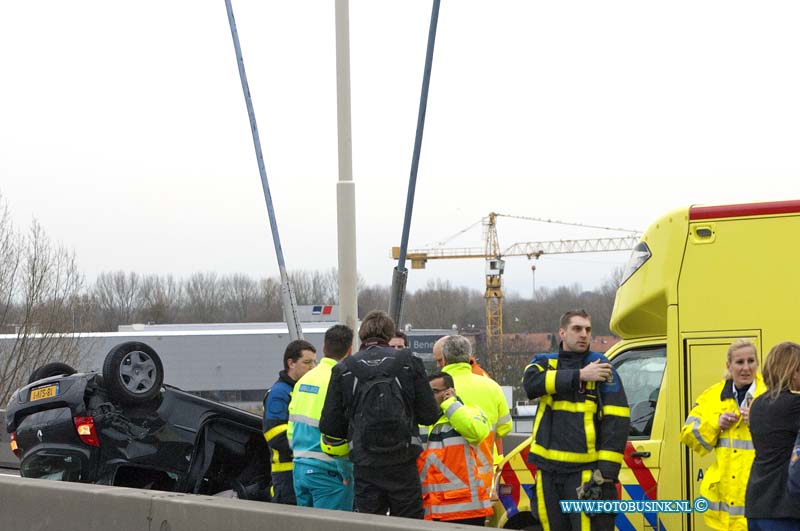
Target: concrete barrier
{"type": "Point", "coordinates": [43, 505]}
{"type": "Point", "coordinates": [7, 458]}
{"type": "Point", "coordinates": [78, 506]}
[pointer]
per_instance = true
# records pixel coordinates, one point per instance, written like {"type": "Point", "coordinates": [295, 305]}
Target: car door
{"type": "Point", "coordinates": [641, 366]}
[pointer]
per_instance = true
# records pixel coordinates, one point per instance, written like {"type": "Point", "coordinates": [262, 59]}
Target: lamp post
{"type": "Point", "coordinates": [345, 187]}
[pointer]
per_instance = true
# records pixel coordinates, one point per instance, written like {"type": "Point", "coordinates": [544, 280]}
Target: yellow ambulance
{"type": "Point", "coordinates": [700, 278]}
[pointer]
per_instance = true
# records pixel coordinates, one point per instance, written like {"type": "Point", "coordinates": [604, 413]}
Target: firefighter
{"type": "Point", "coordinates": [298, 358]}
{"type": "Point", "coordinates": [581, 426]}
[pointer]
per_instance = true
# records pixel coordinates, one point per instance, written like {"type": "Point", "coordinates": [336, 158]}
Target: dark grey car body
{"type": "Point", "coordinates": [175, 442]}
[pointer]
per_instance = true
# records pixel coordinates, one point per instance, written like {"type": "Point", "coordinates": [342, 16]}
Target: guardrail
{"type": "Point", "coordinates": [39, 504]}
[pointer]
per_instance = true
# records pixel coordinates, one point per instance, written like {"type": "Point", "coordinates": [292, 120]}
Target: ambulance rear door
{"type": "Point", "coordinates": [705, 356]}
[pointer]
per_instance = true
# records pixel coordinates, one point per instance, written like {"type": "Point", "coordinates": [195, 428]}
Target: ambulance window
{"type": "Point", "coordinates": [641, 371]}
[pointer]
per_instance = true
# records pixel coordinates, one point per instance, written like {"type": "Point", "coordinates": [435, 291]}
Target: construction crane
{"type": "Point", "coordinates": [495, 264]}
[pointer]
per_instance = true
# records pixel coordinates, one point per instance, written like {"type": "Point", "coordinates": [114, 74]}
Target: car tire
{"type": "Point", "coordinates": [133, 373]}
{"type": "Point", "coordinates": [50, 369]}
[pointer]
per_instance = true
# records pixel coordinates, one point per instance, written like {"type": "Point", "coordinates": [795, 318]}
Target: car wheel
{"type": "Point", "coordinates": [51, 369]}
{"type": "Point", "coordinates": [133, 373]}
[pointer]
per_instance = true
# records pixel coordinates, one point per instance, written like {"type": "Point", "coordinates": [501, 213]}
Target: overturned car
{"type": "Point", "coordinates": [125, 427]}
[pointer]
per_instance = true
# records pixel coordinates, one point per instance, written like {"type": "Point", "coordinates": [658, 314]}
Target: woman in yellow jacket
{"type": "Point", "coordinates": [719, 422]}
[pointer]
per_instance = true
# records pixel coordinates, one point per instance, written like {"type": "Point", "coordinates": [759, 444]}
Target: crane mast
{"type": "Point", "coordinates": [493, 296]}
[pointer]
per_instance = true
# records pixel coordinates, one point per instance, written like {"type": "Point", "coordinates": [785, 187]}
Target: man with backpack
{"type": "Point", "coordinates": [376, 400]}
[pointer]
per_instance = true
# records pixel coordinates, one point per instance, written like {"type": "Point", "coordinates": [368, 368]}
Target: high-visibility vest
{"type": "Point", "coordinates": [498, 442]}
{"type": "Point", "coordinates": [452, 488]}
{"type": "Point", "coordinates": [305, 411]}
{"type": "Point", "coordinates": [725, 481]}
{"type": "Point", "coordinates": [484, 393]}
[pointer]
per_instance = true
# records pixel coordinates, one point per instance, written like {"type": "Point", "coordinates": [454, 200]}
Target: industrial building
{"type": "Point", "coordinates": [229, 362]}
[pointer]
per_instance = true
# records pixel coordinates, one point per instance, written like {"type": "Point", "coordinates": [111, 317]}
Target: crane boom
{"type": "Point", "coordinates": [589, 245]}
{"type": "Point", "coordinates": [495, 266]}
{"type": "Point", "coordinates": [418, 257]}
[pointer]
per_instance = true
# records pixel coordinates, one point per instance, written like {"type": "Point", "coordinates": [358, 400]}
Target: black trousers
{"type": "Point", "coordinates": [395, 490]}
{"type": "Point", "coordinates": [551, 487]}
{"type": "Point", "coordinates": [283, 488]}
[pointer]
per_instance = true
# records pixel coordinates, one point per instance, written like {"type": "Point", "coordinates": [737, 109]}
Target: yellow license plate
{"type": "Point", "coordinates": [41, 393]}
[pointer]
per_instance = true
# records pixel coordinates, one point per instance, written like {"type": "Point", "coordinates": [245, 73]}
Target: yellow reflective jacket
{"type": "Point", "coordinates": [485, 394]}
{"type": "Point", "coordinates": [452, 488]}
{"type": "Point", "coordinates": [725, 482]}
{"type": "Point", "coordinates": [305, 410]}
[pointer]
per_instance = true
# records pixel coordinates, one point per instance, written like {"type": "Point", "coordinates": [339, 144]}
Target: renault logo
{"type": "Point", "coordinates": [39, 435]}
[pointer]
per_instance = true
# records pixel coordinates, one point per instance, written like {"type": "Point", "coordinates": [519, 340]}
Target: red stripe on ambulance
{"type": "Point", "coordinates": [642, 474]}
{"type": "Point", "coordinates": [744, 210]}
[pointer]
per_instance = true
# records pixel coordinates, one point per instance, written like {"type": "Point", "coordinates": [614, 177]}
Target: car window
{"type": "Point", "coordinates": [641, 371]}
{"type": "Point", "coordinates": [51, 465]}
{"type": "Point", "coordinates": [230, 455]}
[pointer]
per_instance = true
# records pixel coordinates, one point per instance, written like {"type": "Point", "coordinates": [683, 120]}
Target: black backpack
{"type": "Point", "coordinates": [381, 420]}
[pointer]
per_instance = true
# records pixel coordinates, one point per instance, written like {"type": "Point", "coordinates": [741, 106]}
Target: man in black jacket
{"type": "Point", "coordinates": [376, 399]}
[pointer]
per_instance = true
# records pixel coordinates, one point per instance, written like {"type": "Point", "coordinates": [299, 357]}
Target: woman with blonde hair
{"type": "Point", "coordinates": [718, 422]}
{"type": "Point", "coordinates": [774, 423]}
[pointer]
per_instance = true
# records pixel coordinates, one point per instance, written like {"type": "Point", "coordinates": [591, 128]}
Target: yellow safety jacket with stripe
{"type": "Point", "coordinates": [578, 425]}
{"type": "Point", "coordinates": [448, 464]}
{"type": "Point", "coordinates": [305, 411]}
{"type": "Point", "coordinates": [484, 393]}
{"type": "Point", "coordinates": [725, 481]}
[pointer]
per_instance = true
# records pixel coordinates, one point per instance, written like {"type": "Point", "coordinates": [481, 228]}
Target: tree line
{"type": "Point", "coordinates": [43, 292]}
{"type": "Point", "coordinates": [118, 298]}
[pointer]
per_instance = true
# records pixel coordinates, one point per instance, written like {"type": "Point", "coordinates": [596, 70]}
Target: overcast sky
{"type": "Point", "coordinates": [123, 129]}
